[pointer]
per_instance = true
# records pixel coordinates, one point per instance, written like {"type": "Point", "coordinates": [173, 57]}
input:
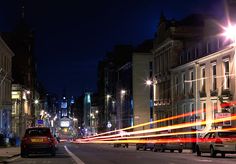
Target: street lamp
{"type": "Point", "coordinates": [123, 92]}
{"type": "Point", "coordinates": [148, 82]}
{"type": "Point", "coordinates": [36, 101]}
{"type": "Point", "coordinates": [151, 84]}
{"type": "Point", "coordinates": [230, 32]}
{"type": "Point", "coordinates": [108, 96]}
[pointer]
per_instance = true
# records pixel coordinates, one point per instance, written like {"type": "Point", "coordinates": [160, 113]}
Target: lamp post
{"type": "Point", "coordinates": [108, 96]}
{"type": "Point", "coordinates": [122, 94]}
{"type": "Point", "coordinates": [151, 84]}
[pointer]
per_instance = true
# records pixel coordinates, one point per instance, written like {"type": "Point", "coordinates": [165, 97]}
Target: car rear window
{"type": "Point", "coordinates": [227, 134]}
{"type": "Point", "coordinates": [38, 132]}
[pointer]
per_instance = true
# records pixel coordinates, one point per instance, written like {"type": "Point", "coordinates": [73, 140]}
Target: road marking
{"type": "Point", "coordinates": [76, 159]}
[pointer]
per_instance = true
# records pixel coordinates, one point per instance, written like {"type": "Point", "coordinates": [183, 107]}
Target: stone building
{"type": "Point", "coordinates": [5, 88]}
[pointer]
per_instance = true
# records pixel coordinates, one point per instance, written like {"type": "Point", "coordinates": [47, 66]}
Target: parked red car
{"type": "Point", "coordinates": [38, 140]}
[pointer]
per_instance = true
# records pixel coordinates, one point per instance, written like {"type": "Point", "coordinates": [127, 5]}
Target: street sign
{"type": "Point", "coordinates": [109, 125]}
{"type": "Point", "coordinates": [40, 122]}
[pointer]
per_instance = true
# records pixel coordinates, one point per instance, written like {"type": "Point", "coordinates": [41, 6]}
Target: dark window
{"type": "Point", "coordinates": [38, 132]}
{"type": "Point", "coordinates": [150, 65]}
{"type": "Point", "coordinates": [227, 134]}
{"type": "Point", "coordinates": [214, 77]}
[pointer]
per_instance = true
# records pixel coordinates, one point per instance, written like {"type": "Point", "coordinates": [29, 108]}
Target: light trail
{"type": "Point", "coordinates": [148, 123]}
{"type": "Point", "coordinates": [157, 138]}
{"type": "Point", "coordinates": [178, 126]}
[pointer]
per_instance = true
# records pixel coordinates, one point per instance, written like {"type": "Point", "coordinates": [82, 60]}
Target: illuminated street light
{"type": "Point", "coordinates": [149, 82]}
{"type": "Point", "coordinates": [36, 101]}
{"type": "Point", "coordinates": [230, 32]}
{"type": "Point", "coordinates": [123, 92]}
{"type": "Point", "coordinates": [96, 111]}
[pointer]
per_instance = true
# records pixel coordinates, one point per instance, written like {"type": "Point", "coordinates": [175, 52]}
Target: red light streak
{"type": "Point", "coordinates": [183, 125]}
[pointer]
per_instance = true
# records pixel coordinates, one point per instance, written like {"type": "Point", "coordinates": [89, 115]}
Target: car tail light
{"type": "Point", "coordinates": [218, 141]}
{"type": "Point", "coordinates": [25, 139]}
{"type": "Point", "coordinates": [50, 139]}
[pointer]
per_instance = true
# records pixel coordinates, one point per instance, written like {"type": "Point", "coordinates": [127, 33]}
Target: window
{"type": "Point", "coordinates": [203, 79]}
{"type": "Point", "coordinates": [203, 114]}
{"type": "Point", "coordinates": [150, 65]}
{"type": "Point", "coordinates": [192, 110]}
{"type": "Point", "coordinates": [214, 76]}
{"type": "Point", "coordinates": [176, 86]}
{"type": "Point", "coordinates": [38, 132]}
{"type": "Point", "coordinates": [191, 82]}
{"type": "Point", "coordinates": [226, 73]}
{"type": "Point", "coordinates": [183, 83]}
{"type": "Point", "coordinates": [184, 112]}
{"type": "Point", "coordinates": [214, 109]}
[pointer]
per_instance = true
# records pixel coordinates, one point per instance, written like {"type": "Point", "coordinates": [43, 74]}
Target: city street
{"type": "Point", "coordinates": [107, 154]}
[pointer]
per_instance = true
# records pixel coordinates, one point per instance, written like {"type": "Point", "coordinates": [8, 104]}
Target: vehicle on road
{"type": "Point", "coordinates": [124, 145]}
{"type": "Point", "coordinates": [223, 142]}
{"type": "Point", "coordinates": [145, 144]}
{"type": "Point", "coordinates": [38, 140]}
{"type": "Point", "coordinates": [170, 143]}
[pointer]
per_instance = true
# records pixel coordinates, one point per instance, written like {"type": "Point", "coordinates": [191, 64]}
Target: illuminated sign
{"type": "Point", "coordinates": [40, 122]}
{"type": "Point", "coordinates": [63, 104]}
{"type": "Point", "coordinates": [65, 124]}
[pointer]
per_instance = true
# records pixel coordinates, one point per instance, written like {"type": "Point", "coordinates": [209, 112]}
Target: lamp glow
{"type": "Point", "coordinates": [230, 32]}
{"type": "Point", "coordinates": [148, 82]}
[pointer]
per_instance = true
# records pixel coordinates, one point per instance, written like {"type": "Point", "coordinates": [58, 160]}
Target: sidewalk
{"type": "Point", "coordinates": [8, 152]}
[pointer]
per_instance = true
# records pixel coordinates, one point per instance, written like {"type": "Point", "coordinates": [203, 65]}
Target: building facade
{"type": "Point", "coordinates": [205, 81]}
{"type": "Point", "coordinates": [142, 93]}
{"type": "Point", "coordinates": [5, 88]}
{"type": "Point", "coordinates": [171, 39]}
{"type": "Point", "coordinates": [21, 110]}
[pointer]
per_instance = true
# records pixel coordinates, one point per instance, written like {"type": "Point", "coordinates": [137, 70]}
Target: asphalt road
{"type": "Point", "coordinates": [107, 154]}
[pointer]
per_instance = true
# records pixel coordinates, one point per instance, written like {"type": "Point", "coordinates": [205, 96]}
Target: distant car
{"type": "Point", "coordinates": [38, 140]}
{"type": "Point", "coordinates": [145, 144]}
{"type": "Point", "coordinates": [125, 145]}
{"type": "Point", "coordinates": [217, 142]}
{"type": "Point", "coordinates": [169, 143]}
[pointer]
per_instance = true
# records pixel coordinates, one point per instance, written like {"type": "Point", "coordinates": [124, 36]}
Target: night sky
{"type": "Point", "coordinates": [72, 36]}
